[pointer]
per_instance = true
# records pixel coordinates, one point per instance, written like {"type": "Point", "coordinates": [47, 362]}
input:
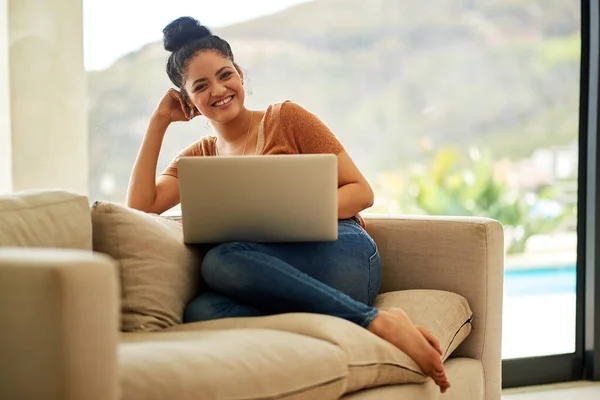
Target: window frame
{"type": "Point", "coordinates": [584, 363]}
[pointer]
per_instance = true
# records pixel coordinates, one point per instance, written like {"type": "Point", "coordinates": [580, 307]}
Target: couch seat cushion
{"type": "Point", "coordinates": [45, 218]}
{"type": "Point", "coordinates": [372, 361]}
{"type": "Point", "coordinates": [465, 375]}
{"type": "Point", "coordinates": [231, 364]}
{"type": "Point", "coordinates": [158, 273]}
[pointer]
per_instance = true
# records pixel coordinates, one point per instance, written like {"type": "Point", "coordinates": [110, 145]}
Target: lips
{"type": "Point", "coordinates": [223, 101]}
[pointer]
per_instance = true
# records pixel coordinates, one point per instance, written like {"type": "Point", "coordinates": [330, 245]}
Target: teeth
{"type": "Point", "coordinates": [222, 102]}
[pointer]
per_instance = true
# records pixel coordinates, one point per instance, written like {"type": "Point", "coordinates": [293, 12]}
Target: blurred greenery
{"type": "Point", "coordinates": [470, 186]}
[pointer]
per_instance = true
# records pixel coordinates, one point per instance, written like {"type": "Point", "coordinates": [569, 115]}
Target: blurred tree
{"type": "Point", "coordinates": [469, 186]}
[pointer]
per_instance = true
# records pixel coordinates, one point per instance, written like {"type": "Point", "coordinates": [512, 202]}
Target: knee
{"type": "Point", "coordinates": [219, 262]}
{"type": "Point", "coordinates": [204, 308]}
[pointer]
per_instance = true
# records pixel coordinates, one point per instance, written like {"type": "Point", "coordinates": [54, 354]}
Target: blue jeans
{"type": "Point", "coordinates": [338, 278]}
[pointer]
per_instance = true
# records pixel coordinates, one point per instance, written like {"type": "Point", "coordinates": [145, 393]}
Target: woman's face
{"type": "Point", "coordinates": [214, 86]}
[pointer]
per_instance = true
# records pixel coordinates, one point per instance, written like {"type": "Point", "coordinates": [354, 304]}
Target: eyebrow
{"type": "Point", "coordinates": [216, 73]}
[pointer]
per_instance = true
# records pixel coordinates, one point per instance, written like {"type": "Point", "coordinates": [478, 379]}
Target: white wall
{"type": "Point", "coordinates": [47, 92]}
{"type": "Point", "coordinates": [5, 133]}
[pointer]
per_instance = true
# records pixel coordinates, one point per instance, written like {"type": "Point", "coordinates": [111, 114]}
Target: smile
{"type": "Point", "coordinates": [223, 102]}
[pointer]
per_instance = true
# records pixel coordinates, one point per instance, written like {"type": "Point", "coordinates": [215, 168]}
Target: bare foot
{"type": "Point", "coordinates": [395, 326]}
{"type": "Point", "coordinates": [430, 338]}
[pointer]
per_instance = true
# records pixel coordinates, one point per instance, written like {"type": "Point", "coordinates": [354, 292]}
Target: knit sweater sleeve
{"type": "Point", "coordinates": [307, 132]}
{"type": "Point", "coordinates": [194, 149]}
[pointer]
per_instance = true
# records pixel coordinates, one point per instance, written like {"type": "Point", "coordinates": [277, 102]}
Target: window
{"type": "Point", "coordinates": [451, 107]}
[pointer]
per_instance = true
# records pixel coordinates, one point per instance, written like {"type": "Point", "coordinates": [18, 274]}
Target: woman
{"type": "Point", "coordinates": [338, 278]}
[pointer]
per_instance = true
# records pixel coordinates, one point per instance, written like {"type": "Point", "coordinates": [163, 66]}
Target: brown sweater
{"type": "Point", "coordinates": [286, 128]}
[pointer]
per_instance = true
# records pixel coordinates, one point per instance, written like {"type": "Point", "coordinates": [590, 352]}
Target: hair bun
{"type": "Point", "coordinates": [182, 31]}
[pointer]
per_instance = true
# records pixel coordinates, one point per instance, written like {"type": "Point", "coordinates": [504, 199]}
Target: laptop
{"type": "Point", "coordinates": [270, 198]}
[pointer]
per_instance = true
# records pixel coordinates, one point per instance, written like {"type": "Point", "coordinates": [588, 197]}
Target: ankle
{"type": "Point", "coordinates": [380, 324]}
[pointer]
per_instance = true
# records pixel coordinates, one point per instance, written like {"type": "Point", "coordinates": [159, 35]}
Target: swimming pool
{"type": "Point", "coordinates": [538, 316]}
{"type": "Point", "coordinates": [540, 281]}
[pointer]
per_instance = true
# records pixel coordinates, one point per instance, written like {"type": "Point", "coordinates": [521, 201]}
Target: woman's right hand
{"type": "Point", "coordinates": [172, 108]}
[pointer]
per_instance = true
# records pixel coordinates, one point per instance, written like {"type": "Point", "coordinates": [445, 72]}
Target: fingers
{"type": "Point", "coordinates": [189, 111]}
{"type": "Point", "coordinates": [176, 96]}
{"type": "Point", "coordinates": [186, 111]}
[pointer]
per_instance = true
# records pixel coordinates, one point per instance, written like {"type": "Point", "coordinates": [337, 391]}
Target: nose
{"type": "Point", "coordinates": [218, 89]}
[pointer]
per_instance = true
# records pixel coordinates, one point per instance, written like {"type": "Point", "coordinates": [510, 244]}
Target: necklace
{"type": "Point", "coordinates": [245, 142]}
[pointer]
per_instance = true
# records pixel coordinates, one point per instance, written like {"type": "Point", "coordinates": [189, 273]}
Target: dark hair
{"type": "Point", "coordinates": [184, 37]}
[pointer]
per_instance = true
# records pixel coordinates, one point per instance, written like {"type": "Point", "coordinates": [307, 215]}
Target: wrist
{"type": "Point", "coordinates": [159, 123]}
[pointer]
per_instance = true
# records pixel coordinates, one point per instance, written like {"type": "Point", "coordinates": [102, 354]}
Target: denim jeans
{"type": "Point", "coordinates": [246, 279]}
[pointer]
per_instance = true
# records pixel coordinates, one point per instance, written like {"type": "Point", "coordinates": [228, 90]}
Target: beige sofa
{"type": "Point", "coordinates": [64, 309]}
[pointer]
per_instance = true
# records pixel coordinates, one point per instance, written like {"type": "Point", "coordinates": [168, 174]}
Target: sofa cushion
{"type": "Point", "coordinates": [372, 361]}
{"type": "Point", "coordinates": [232, 364]}
{"type": "Point", "coordinates": [447, 315]}
{"type": "Point", "coordinates": [45, 218]}
{"type": "Point", "coordinates": [465, 374]}
{"type": "Point", "coordinates": [157, 271]}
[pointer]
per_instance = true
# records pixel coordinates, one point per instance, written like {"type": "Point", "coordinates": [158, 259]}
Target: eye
{"type": "Point", "coordinates": [226, 75]}
{"type": "Point", "coordinates": [200, 87]}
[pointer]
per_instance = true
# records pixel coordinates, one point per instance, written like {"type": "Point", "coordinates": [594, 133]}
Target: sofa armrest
{"type": "Point", "coordinates": [464, 255]}
{"type": "Point", "coordinates": [59, 313]}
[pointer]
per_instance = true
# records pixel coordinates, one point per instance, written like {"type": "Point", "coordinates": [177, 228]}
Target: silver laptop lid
{"type": "Point", "coordinates": [272, 198]}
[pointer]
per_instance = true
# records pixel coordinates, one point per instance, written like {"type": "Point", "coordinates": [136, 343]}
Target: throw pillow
{"type": "Point", "coordinates": [158, 272]}
{"type": "Point", "coordinates": [447, 315]}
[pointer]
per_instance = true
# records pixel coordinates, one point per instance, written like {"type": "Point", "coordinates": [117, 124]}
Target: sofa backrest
{"type": "Point", "coordinates": [45, 218]}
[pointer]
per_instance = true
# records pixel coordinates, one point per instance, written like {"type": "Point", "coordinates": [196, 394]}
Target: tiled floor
{"type": "Point", "coordinates": [560, 391]}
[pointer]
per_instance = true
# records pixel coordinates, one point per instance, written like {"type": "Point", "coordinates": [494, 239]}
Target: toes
{"type": "Point", "coordinates": [446, 387]}
{"type": "Point", "coordinates": [441, 380]}
{"type": "Point", "coordinates": [438, 378]}
{"type": "Point", "coordinates": [443, 384]}
{"type": "Point", "coordinates": [437, 365]}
